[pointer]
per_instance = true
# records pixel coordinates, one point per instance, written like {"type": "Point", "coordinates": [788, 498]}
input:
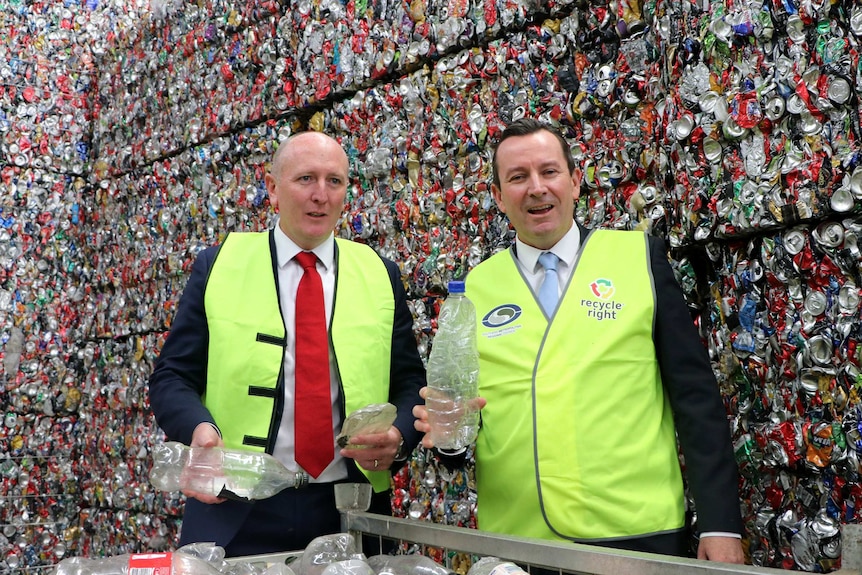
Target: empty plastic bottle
{"type": "Point", "coordinates": [324, 550]}
{"type": "Point", "coordinates": [229, 473]}
{"type": "Point", "coordinates": [494, 566]}
{"type": "Point", "coordinates": [453, 373]}
{"type": "Point", "coordinates": [407, 565]}
{"type": "Point", "coordinates": [355, 566]}
{"type": "Point", "coordinates": [172, 563]}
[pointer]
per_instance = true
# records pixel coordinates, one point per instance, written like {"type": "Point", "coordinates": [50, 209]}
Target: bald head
{"type": "Point", "coordinates": [307, 185]}
{"type": "Point", "coordinates": [303, 140]}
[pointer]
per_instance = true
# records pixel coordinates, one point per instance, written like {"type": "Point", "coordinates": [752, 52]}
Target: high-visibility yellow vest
{"type": "Point", "coordinates": [247, 338]}
{"type": "Point", "coordinates": [577, 440]}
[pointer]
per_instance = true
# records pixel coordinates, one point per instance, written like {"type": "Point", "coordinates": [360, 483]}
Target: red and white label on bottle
{"type": "Point", "coordinates": [150, 564]}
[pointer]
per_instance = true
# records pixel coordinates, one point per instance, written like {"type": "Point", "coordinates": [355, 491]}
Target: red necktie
{"type": "Point", "coordinates": [315, 445]}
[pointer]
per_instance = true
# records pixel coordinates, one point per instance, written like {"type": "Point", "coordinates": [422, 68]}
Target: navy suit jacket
{"type": "Point", "coordinates": [179, 380]}
{"type": "Point", "coordinates": [699, 413]}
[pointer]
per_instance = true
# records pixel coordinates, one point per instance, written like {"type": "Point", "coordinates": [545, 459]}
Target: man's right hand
{"type": "Point", "coordinates": [420, 412]}
{"type": "Point", "coordinates": [205, 435]}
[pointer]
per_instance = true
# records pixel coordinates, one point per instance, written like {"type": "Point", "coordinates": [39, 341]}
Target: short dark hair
{"type": "Point", "coordinates": [525, 127]}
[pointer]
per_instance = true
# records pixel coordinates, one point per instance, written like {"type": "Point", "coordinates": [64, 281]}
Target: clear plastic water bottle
{"type": "Point", "coordinates": [494, 566]}
{"type": "Point", "coordinates": [453, 373]}
{"type": "Point", "coordinates": [407, 565]}
{"type": "Point", "coordinates": [229, 473]}
{"type": "Point", "coordinates": [176, 563]}
{"type": "Point", "coordinates": [324, 550]}
{"type": "Point", "coordinates": [356, 566]}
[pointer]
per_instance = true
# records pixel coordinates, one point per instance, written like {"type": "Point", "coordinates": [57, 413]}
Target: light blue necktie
{"type": "Point", "coordinates": [549, 290]}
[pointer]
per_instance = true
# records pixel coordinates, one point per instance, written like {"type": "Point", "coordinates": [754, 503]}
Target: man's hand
{"type": "Point", "coordinates": [205, 435]}
{"type": "Point", "coordinates": [374, 451]}
{"type": "Point", "coordinates": [724, 549]}
{"type": "Point", "coordinates": [420, 412]}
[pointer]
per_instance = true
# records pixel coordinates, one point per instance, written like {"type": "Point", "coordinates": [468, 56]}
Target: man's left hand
{"type": "Point", "coordinates": [374, 451]}
{"type": "Point", "coordinates": [724, 549]}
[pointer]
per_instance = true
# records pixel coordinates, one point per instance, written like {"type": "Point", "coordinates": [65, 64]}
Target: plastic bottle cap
{"type": "Point", "coordinates": [456, 286]}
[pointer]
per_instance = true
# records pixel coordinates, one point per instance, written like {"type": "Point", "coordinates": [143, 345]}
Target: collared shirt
{"type": "Point", "coordinates": [566, 249]}
{"type": "Point", "coordinates": [289, 274]}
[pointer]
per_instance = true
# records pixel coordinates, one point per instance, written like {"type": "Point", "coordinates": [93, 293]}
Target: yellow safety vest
{"type": "Point", "coordinates": [247, 338]}
{"type": "Point", "coordinates": [577, 440]}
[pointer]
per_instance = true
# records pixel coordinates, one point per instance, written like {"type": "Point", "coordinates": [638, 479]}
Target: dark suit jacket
{"type": "Point", "coordinates": [179, 379]}
{"type": "Point", "coordinates": [699, 413]}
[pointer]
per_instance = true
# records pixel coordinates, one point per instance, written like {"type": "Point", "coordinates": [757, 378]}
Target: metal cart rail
{"type": "Point", "coordinates": [565, 557]}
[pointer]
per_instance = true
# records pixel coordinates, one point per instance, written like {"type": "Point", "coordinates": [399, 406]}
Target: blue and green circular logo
{"type": "Point", "coordinates": [501, 315]}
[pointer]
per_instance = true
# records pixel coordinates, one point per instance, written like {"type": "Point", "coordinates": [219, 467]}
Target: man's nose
{"type": "Point", "coordinates": [318, 191]}
{"type": "Point", "coordinates": [535, 184]}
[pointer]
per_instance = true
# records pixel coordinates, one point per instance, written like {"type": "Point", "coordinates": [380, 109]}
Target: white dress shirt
{"type": "Point", "coordinates": [289, 274]}
{"type": "Point", "coordinates": [566, 249]}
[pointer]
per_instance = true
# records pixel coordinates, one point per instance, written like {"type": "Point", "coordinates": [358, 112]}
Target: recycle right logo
{"type": "Point", "coordinates": [603, 288]}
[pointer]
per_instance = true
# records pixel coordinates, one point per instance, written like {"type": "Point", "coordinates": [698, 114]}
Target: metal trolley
{"type": "Point", "coordinates": [565, 558]}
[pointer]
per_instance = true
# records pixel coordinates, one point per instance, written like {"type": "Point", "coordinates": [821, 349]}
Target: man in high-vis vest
{"type": "Point", "coordinates": [590, 369]}
{"type": "Point", "coordinates": [279, 336]}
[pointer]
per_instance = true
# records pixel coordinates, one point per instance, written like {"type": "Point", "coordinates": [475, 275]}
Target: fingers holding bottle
{"type": "Point", "coordinates": [374, 451]}
{"type": "Point", "coordinates": [442, 419]}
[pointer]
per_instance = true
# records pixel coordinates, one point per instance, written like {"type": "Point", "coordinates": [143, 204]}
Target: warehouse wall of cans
{"type": "Point", "coordinates": [132, 136]}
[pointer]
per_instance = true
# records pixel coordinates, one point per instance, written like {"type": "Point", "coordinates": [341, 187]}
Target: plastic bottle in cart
{"type": "Point", "coordinates": [176, 563]}
{"type": "Point", "coordinates": [407, 565]}
{"type": "Point", "coordinates": [453, 373]}
{"type": "Point", "coordinates": [229, 473]}
{"type": "Point", "coordinates": [494, 566]}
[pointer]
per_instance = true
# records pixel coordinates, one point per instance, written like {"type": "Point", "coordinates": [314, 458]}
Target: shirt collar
{"type": "Point", "coordinates": [286, 249]}
{"type": "Point", "coordinates": [566, 249]}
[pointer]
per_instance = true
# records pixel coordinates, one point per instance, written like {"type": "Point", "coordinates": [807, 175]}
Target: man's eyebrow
{"type": "Point", "coordinates": [512, 170]}
{"type": "Point", "coordinates": [541, 165]}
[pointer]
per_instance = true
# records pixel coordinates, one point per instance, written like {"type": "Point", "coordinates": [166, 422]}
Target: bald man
{"type": "Point", "coordinates": [226, 375]}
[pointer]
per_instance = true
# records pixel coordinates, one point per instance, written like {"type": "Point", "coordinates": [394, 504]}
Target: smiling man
{"type": "Point", "coordinates": [248, 366]}
{"type": "Point", "coordinates": [589, 368]}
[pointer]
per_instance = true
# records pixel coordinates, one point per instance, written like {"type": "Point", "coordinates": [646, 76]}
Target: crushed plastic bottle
{"type": "Point", "coordinates": [228, 473]}
{"type": "Point", "coordinates": [407, 565]}
{"type": "Point", "coordinates": [373, 418]}
{"type": "Point", "coordinates": [453, 373]}
{"type": "Point", "coordinates": [178, 563]}
{"type": "Point", "coordinates": [494, 566]}
{"type": "Point", "coordinates": [325, 550]}
{"type": "Point", "coordinates": [193, 559]}
{"type": "Point", "coordinates": [355, 566]}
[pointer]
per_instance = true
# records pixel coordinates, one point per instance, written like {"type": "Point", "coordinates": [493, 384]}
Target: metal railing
{"type": "Point", "coordinates": [565, 557]}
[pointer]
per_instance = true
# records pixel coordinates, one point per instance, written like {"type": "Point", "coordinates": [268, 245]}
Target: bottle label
{"type": "Point", "coordinates": [150, 564]}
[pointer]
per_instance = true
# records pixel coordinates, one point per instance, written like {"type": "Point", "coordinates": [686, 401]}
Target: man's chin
{"type": "Point", "coordinates": [543, 235]}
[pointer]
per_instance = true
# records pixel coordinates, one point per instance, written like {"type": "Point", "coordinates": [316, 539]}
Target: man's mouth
{"type": "Point", "coordinates": [539, 210]}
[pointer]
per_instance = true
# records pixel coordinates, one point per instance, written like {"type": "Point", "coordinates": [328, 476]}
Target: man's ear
{"type": "Point", "coordinates": [498, 197]}
{"type": "Point", "coordinates": [270, 187]}
{"type": "Point", "coordinates": [577, 178]}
